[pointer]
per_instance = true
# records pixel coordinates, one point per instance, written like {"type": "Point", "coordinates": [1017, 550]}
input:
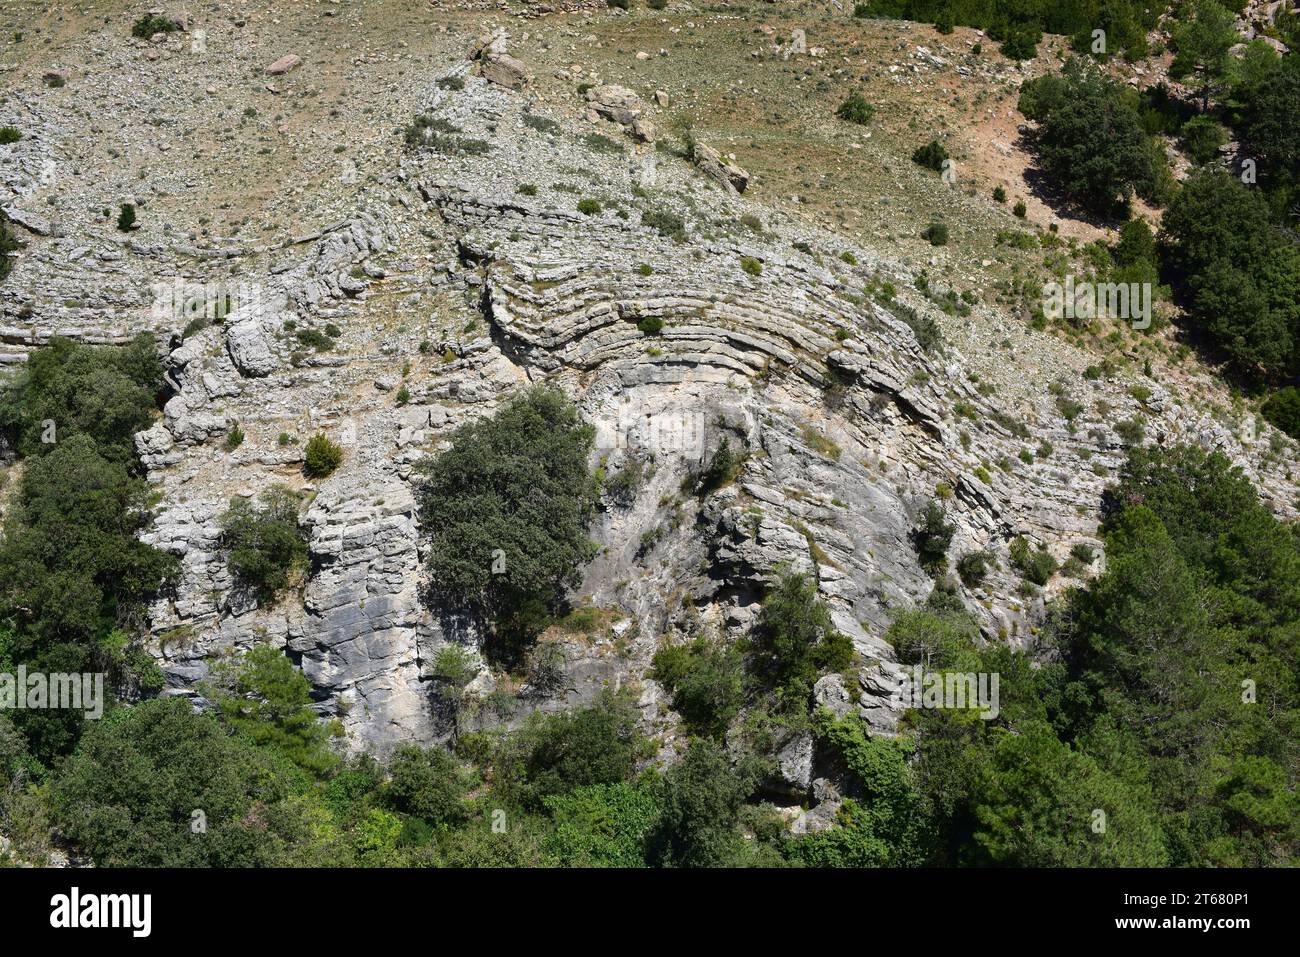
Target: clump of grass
{"type": "Point", "coordinates": [666, 224]}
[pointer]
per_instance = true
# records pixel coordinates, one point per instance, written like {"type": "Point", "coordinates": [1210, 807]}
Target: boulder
{"type": "Point", "coordinates": [504, 70]}
{"type": "Point", "coordinates": [794, 762]}
{"type": "Point", "coordinates": [644, 130]}
{"type": "Point", "coordinates": [283, 65]}
{"type": "Point", "coordinates": [616, 103]}
{"type": "Point", "coordinates": [249, 345]}
{"type": "Point", "coordinates": [727, 174]}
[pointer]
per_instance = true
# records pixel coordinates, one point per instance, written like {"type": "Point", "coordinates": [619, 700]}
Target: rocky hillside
{"type": "Point", "coordinates": [413, 220]}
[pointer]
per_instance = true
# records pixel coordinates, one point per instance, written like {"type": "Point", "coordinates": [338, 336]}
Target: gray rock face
{"type": "Point", "coordinates": [359, 636]}
{"type": "Point", "coordinates": [447, 280]}
{"type": "Point", "coordinates": [795, 761]}
{"type": "Point", "coordinates": [250, 344]}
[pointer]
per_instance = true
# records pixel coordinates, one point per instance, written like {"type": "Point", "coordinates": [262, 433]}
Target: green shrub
{"type": "Point", "coordinates": [932, 156]}
{"type": "Point", "coordinates": [936, 233]}
{"type": "Point", "coordinates": [126, 217]}
{"type": "Point", "coordinates": [427, 783]}
{"type": "Point", "coordinates": [706, 682]}
{"type": "Point", "coordinates": [9, 135]}
{"type": "Point", "coordinates": [724, 465]}
{"type": "Point", "coordinates": [973, 566]}
{"type": "Point", "coordinates": [794, 641]}
{"type": "Point", "coordinates": [651, 325]}
{"type": "Point", "coordinates": [751, 265]}
{"type": "Point", "coordinates": [148, 25]}
{"type": "Point", "coordinates": [1021, 43]}
{"type": "Point", "coordinates": [588, 207]}
{"type": "Point", "coordinates": [235, 437]}
{"type": "Point", "coordinates": [558, 753]}
{"type": "Point", "coordinates": [265, 546]}
{"type": "Point", "coordinates": [664, 223]}
{"type": "Point", "coordinates": [1020, 210]}
{"type": "Point", "coordinates": [1131, 431]}
{"type": "Point", "coordinates": [541, 123]}
{"type": "Point", "coordinates": [1038, 566]}
{"type": "Point", "coordinates": [856, 109]}
{"type": "Point", "coordinates": [315, 339]}
{"type": "Point", "coordinates": [403, 395]}
{"type": "Point", "coordinates": [1083, 552]}
{"type": "Point", "coordinates": [526, 189]}
{"type": "Point", "coordinates": [322, 456]}
{"type": "Point", "coordinates": [1201, 139]}
{"type": "Point", "coordinates": [455, 83]}
{"type": "Point", "coordinates": [999, 194]}
{"type": "Point", "coordinates": [932, 536]}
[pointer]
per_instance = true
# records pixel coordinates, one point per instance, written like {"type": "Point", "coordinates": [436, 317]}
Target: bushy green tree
{"type": "Point", "coordinates": [71, 568]}
{"type": "Point", "coordinates": [856, 109]}
{"type": "Point", "coordinates": [558, 753]}
{"type": "Point", "coordinates": [1201, 39]}
{"type": "Point", "coordinates": [1090, 138]}
{"type": "Point", "coordinates": [262, 697]}
{"type": "Point", "coordinates": [706, 681]}
{"type": "Point", "coordinates": [1044, 804]}
{"type": "Point", "coordinates": [932, 535]}
{"type": "Point", "coordinates": [507, 509]}
{"type": "Point", "coordinates": [428, 783]}
{"type": "Point", "coordinates": [700, 799]}
{"type": "Point", "coordinates": [68, 389]}
{"type": "Point", "coordinates": [1238, 274]}
{"type": "Point", "coordinates": [321, 456]}
{"type": "Point", "coordinates": [128, 796]}
{"type": "Point", "coordinates": [265, 546]}
{"type": "Point", "coordinates": [794, 641]}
